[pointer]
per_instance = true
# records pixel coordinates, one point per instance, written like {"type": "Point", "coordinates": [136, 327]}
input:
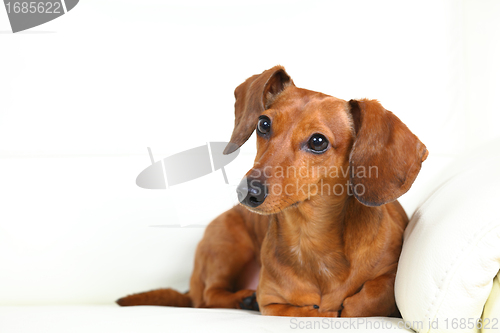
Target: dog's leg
{"type": "Point", "coordinates": [221, 257]}
{"type": "Point", "coordinates": [376, 298]}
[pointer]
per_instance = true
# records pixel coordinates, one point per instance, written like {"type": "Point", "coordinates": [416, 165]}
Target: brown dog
{"type": "Point", "coordinates": [320, 217]}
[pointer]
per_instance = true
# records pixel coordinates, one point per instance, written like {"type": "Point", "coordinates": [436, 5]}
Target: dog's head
{"type": "Point", "coordinates": [311, 144]}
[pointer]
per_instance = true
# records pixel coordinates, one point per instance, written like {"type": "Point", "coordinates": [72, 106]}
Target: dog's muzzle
{"type": "Point", "coordinates": [251, 192]}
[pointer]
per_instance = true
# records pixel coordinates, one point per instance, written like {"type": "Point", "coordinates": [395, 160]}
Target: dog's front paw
{"type": "Point", "coordinates": [250, 303]}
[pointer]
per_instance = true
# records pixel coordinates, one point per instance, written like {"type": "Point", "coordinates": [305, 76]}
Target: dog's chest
{"type": "Point", "coordinates": [322, 263]}
{"type": "Point", "coordinates": [311, 278]}
{"type": "Point", "coordinates": [326, 293]}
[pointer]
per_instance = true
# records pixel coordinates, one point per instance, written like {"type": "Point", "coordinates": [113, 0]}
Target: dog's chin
{"type": "Point", "coordinates": [271, 209]}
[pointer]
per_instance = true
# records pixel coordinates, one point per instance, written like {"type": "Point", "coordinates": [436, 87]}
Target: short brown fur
{"type": "Point", "coordinates": [319, 254]}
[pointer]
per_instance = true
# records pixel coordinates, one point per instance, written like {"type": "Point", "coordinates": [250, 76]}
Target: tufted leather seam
{"type": "Point", "coordinates": [478, 236]}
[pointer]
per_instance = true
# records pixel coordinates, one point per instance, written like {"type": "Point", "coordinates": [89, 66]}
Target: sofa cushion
{"type": "Point", "coordinates": [151, 319]}
{"type": "Point", "coordinates": [451, 251]}
{"type": "Point", "coordinates": [491, 313]}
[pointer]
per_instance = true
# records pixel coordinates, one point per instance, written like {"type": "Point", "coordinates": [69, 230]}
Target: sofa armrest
{"type": "Point", "coordinates": [451, 252]}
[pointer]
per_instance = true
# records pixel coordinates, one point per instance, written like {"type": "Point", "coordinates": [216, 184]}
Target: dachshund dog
{"type": "Point", "coordinates": [319, 226]}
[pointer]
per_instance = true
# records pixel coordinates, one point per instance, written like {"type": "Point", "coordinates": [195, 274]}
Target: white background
{"type": "Point", "coordinates": [82, 97]}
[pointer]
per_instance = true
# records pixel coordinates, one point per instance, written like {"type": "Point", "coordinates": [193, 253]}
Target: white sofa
{"type": "Point", "coordinates": [82, 94]}
{"type": "Point", "coordinates": [67, 257]}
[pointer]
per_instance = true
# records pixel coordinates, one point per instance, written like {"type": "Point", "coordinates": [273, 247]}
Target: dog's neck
{"type": "Point", "coordinates": [315, 217]}
{"type": "Point", "coordinates": [318, 220]}
{"type": "Point", "coordinates": [316, 228]}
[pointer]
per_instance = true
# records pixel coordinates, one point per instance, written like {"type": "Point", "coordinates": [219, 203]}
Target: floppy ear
{"type": "Point", "coordinates": [386, 150]}
{"type": "Point", "coordinates": [252, 97]}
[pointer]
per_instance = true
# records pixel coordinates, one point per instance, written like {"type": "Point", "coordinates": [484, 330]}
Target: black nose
{"type": "Point", "coordinates": [251, 192]}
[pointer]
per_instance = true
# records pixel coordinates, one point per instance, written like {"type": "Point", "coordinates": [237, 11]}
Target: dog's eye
{"type": "Point", "coordinates": [264, 125]}
{"type": "Point", "coordinates": [318, 143]}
